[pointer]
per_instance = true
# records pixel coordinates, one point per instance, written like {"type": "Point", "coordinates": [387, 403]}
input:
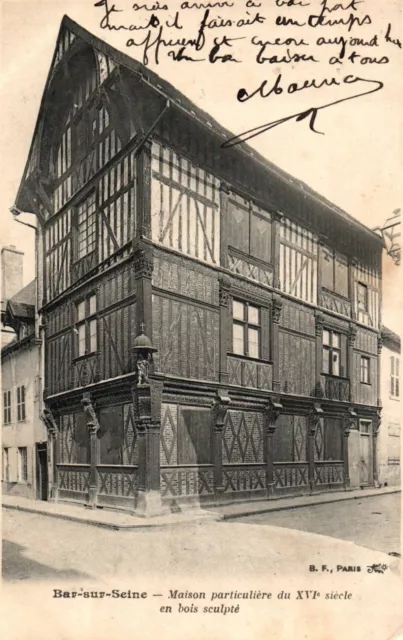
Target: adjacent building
{"type": "Point", "coordinates": [212, 325]}
{"type": "Point", "coordinates": [11, 265]}
{"type": "Point", "coordinates": [24, 437]}
{"type": "Point", "coordinates": [389, 435]}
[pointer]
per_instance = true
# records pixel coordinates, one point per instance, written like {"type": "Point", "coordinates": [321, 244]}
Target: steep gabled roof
{"type": "Point", "coordinates": [182, 103]}
{"type": "Point", "coordinates": [27, 295]}
{"type": "Point", "coordinates": [21, 307]}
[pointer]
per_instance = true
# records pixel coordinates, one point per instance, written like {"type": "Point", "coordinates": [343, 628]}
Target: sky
{"type": "Point", "coordinates": [357, 164]}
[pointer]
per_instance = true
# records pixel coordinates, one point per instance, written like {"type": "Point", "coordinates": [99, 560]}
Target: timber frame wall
{"type": "Point", "coordinates": [178, 229]}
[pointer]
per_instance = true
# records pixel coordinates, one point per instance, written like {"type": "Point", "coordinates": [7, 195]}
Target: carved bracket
{"type": "Point", "coordinates": [143, 264]}
{"type": "Point", "coordinates": [49, 422]}
{"type": "Point", "coordinates": [90, 415]}
{"type": "Point", "coordinates": [277, 306]}
{"type": "Point", "coordinates": [352, 336]}
{"type": "Point", "coordinates": [350, 422]}
{"type": "Point", "coordinates": [220, 409]}
{"type": "Point", "coordinates": [319, 322]}
{"type": "Point", "coordinates": [224, 291]}
{"type": "Point", "coordinates": [376, 423]}
{"type": "Point", "coordinates": [379, 344]}
{"type": "Point", "coordinates": [314, 418]}
{"type": "Point", "coordinates": [273, 410]}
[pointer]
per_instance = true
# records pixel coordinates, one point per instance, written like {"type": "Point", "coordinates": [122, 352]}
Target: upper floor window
{"type": "Point", "coordinates": [86, 326]}
{"type": "Point", "coordinates": [362, 297]}
{"type": "Point", "coordinates": [334, 272]}
{"type": "Point", "coordinates": [249, 231]}
{"type": "Point", "coordinates": [246, 329]}
{"type": "Point", "coordinates": [365, 370]}
{"type": "Point", "coordinates": [331, 353]}
{"type": "Point", "coordinates": [394, 377]}
{"type": "Point", "coordinates": [86, 226]}
{"type": "Point", "coordinates": [7, 407]}
{"type": "Point", "coordinates": [21, 415]}
{"type": "Point", "coordinates": [22, 464]}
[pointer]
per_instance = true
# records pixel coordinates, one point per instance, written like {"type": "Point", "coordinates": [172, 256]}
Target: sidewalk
{"type": "Point", "coordinates": [120, 520]}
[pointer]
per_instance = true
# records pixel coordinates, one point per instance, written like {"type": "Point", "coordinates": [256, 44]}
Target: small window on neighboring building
{"type": "Point", "coordinates": [394, 377]}
{"type": "Point", "coordinates": [7, 407]}
{"type": "Point", "coordinates": [365, 370]}
{"type": "Point", "coordinates": [21, 415]}
{"type": "Point", "coordinates": [246, 329]}
{"type": "Point", "coordinates": [365, 427]}
{"type": "Point", "coordinates": [86, 226]}
{"type": "Point", "coordinates": [86, 326]}
{"type": "Point", "coordinates": [22, 464]}
{"type": "Point", "coordinates": [362, 297]}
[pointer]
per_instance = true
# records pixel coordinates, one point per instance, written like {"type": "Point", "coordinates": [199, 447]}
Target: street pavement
{"type": "Point", "coordinates": [371, 522]}
{"type": "Point", "coordinates": [248, 544]}
{"type": "Point", "coordinates": [41, 554]}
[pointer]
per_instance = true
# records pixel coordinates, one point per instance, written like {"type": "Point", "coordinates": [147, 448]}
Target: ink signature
{"type": "Point", "coordinates": [311, 113]}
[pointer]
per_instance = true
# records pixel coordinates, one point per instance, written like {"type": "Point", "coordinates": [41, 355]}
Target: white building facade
{"type": "Point", "coordinates": [389, 444]}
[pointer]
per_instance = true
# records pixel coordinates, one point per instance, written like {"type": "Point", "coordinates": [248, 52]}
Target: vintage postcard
{"type": "Point", "coordinates": [201, 317]}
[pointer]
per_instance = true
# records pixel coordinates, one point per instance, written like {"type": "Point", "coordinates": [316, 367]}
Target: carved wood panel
{"type": "Point", "coordinates": [245, 478]}
{"type": "Point", "coordinates": [186, 481]}
{"type": "Point", "coordinates": [243, 437]}
{"type": "Point", "coordinates": [187, 339]}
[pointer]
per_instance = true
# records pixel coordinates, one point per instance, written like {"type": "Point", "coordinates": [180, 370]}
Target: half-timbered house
{"type": "Point", "coordinates": [211, 324]}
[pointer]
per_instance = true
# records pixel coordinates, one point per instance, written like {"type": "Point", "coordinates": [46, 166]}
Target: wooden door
{"type": "Point", "coordinates": [41, 472]}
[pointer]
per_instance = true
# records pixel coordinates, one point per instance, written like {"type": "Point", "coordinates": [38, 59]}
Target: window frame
{"type": "Point", "coordinates": [7, 407]}
{"type": "Point", "coordinates": [331, 349]}
{"type": "Point", "coordinates": [247, 325]}
{"type": "Point", "coordinates": [90, 317]}
{"type": "Point", "coordinates": [91, 230]}
{"type": "Point", "coordinates": [394, 390]}
{"type": "Point", "coordinates": [250, 212]}
{"type": "Point", "coordinates": [366, 370]}
{"type": "Point", "coordinates": [21, 404]}
{"type": "Point", "coordinates": [364, 289]}
{"type": "Point", "coordinates": [342, 258]}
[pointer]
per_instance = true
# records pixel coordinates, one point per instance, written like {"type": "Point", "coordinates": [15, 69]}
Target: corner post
{"type": "Point", "coordinates": [224, 297]}
{"type": "Point", "coordinates": [93, 427]}
{"type": "Point", "coordinates": [147, 398]}
{"type": "Point", "coordinates": [352, 336]}
{"type": "Point", "coordinates": [219, 410]}
{"type": "Point", "coordinates": [349, 423]}
{"type": "Point", "coordinates": [143, 271]}
{"type": "Point", "coordinates": [54, 451]}
{"type": "Point", "coordinates": [378, 370]}
{"type": "Point", "coordinates": [376, 425]}
{"type": "Point", "coordinates": [277, 306]}
{"type": "Point", "coordinates": [314, 419]}
{"type": "Point", "coordinates": [271, 415]}
{"type": "Point", "coordinates": [319, 322]}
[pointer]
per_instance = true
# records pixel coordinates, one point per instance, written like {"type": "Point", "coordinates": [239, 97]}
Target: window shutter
{"type": "Point", "coordinates": [265, 335]}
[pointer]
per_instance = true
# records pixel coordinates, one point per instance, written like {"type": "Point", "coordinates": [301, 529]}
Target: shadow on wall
{"type": "Point", "coordinates": [15, 567]}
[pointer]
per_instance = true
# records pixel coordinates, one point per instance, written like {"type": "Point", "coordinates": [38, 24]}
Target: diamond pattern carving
{"type": "Point", "coordinates": [168, 434]}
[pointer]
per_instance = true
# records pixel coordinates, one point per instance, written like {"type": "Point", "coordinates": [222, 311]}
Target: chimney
{"type": "Point", "coordinates": [11, 272]}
